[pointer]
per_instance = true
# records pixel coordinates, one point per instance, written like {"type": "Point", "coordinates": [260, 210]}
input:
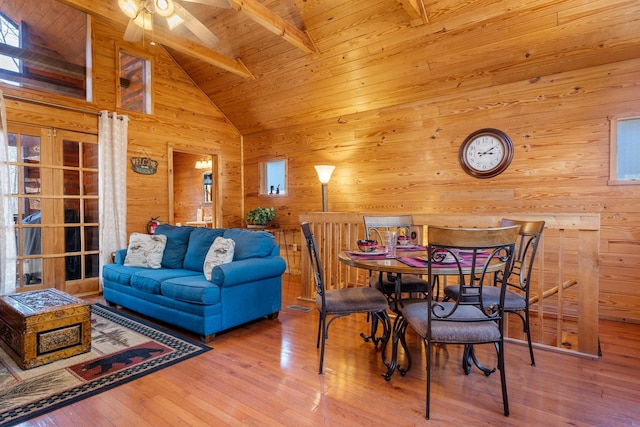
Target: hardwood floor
{"type": "Point", "coordinates": [266, 374]}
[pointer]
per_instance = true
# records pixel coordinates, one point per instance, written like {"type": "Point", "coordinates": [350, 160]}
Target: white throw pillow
{"type": "Point", "coordinates": [221, 252]}
{"type": "Point", "coordinates": [145, 250]}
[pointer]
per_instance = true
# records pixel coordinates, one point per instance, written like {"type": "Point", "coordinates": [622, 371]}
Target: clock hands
{"type": "Point", "coordinates": [489, 151]}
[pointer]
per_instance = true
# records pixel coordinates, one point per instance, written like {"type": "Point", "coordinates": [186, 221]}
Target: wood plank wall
{"type": "Point", "coordinates": [182, 117]}
{"type": "Point", "coordinates": [405, 159]}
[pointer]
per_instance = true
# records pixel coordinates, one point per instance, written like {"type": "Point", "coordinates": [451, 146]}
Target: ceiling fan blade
{"type": "Point", "coordinates": [224, 4]}
{"type": "Point", "coordinates": [133, 33]}
{"type": "Point", "coordinates": [196, 27]}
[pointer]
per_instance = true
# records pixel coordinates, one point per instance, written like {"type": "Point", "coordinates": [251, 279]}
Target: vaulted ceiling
{"type": "Point", "coordinates": [285, 62]}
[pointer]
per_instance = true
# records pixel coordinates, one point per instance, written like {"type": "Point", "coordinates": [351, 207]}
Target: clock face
{"type": "Point", "coordinates": [486, 153]}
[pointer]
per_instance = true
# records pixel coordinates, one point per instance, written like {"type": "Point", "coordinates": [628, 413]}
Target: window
{"type": "Point", "coordinates": [625, 151]}
{"type": "Point", "coordinates": [43, 46]}
{"type": "Point", "coordinates": [54, 189]}
{"type": "Point", "coordinates": [10, 36]}
{"type": "Point", "coordinates": [273, 177]}
{"type": "Point", "coordinates": [134, 83]}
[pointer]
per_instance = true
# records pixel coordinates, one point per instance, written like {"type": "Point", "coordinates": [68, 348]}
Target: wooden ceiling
{"type": "Point", "coordinates": [286, 62]}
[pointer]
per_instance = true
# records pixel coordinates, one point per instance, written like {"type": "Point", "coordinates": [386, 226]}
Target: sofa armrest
{"type": "Point", "coordinates": [247, 270]}
{"type": "Point", "coordinates": [121, 254]}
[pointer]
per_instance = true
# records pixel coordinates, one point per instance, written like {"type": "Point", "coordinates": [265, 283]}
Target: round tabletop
{"type": "Point", "coordinates": [392, 265]}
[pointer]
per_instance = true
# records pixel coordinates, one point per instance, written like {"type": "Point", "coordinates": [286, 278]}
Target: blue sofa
{"type": "Point", "coordinates": [178, 293]}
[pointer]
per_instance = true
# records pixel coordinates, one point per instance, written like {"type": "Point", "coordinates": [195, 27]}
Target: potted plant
{"type": "Point", "coordinates": [260, 217]}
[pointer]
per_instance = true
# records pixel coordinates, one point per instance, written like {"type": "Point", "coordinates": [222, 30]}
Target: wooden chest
{"type": "Point", "coordinates": [43, 326]}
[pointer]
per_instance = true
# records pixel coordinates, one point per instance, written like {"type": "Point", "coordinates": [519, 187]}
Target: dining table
{"type": "Point", "coordinates": [409, 259]}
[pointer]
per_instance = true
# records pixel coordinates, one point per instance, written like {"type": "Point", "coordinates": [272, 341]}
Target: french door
{"type": "Point", "coordinates": [54, 186]}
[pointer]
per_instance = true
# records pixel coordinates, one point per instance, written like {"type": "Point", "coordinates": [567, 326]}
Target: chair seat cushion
{"type": "Point", "coordinates": [353, 300]}
{"type": "Point", "coordinates": [410, 283]}
{"type": "Point", "coordinates": [513, 301]}
{"type": "Point", "coordinates": [452, 330]}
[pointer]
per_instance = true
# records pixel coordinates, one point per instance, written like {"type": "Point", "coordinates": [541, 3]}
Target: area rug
{"type": "Point", "coordinates": [122, 349]}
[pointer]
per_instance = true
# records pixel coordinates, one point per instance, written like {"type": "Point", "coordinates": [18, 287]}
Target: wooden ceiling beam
{"type": "Point", "coordinates": [416, 11]}
{"type": "Point", "coordinates": [272, 22]}
{"type": "Point", "coordinates": [109, 11]}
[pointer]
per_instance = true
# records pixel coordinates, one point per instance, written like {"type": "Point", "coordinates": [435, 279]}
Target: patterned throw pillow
{"type": "Point", "coordinates": [145, 250]}
{"type": "Point", "coordinates": [221, 252]}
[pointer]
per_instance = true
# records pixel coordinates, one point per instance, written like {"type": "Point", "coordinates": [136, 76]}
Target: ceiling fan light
{"type": "Point", "coordinates": [129, 7]}
{"type": "Point", "coordinates": [143, 20]}
{"type": "Point", "coordinates": [174, 20]}
{"type": "Point", "coordinates": [164, 7]}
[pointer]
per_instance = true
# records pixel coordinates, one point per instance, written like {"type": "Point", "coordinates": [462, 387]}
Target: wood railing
{"type": "Point", "coordinates": [567, 253]}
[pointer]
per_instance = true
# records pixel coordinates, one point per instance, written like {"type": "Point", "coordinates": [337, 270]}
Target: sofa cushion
{"type": "Point", "coordinates": [195, 290]}
{"type": "Point", "coordinates": [200, 241]}
{"type": "Point", "coordinates": [250, 244]}
{"type": "Point", "coordinates": [145, 250]}
{"type": "Point", "coordinates": [119, 273]}
{"type": "Point", "coordinates": [177, 241]}
{"type": "Point", "coordinates": [149, 280]}
{"type": "Point", "coordinates": [221, 252]}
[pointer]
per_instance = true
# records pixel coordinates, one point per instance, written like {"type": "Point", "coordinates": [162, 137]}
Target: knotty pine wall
{"type": "Point", "coordinates": [182, 117]}
{"type": "Point", "coordinates": [404, 159]}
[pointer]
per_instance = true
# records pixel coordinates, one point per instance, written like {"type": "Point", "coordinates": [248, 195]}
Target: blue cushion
{"type": "Point", "coordinates": [250, 244]}
{"type": "Point", "coordinates": [149, 280]}
{"type": "Point", "coordinates": [193, 289]}
{"type": "Point", "coordinates": [200, 241]}
{"type": "Point", "coordinates": [119, 273]}
{"type": "Point", "coordinates": [177, 240]}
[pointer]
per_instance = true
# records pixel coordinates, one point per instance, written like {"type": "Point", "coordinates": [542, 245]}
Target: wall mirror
{"type": "Point", "coordinates": [207, 183]}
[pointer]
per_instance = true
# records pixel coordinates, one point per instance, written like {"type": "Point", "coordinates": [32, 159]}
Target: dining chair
{"type": "Point", "coordinates": [518, 283]}
{"type": "Point", "coordinates": [474, 256]}
{"type": "Point", "coordinates": [335, 303]}
{"type": "Point", "coordinates": [375, 228]}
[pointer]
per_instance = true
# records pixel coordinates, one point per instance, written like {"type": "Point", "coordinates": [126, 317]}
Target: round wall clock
{"type": "Point", "coordinates": [486, 153]}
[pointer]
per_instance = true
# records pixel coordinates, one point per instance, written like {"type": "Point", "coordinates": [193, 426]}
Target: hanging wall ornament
{"type": "Point", "coordinates": [144, 165]}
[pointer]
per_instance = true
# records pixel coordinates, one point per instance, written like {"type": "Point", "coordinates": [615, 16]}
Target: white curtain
{"type": "Point", "coordinates": [7, 230]}
{"type": "Point", "coordinates": [112, 143]}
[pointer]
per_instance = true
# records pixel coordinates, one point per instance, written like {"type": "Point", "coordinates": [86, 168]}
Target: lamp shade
{"type": "Point", "coordinates": [324, 172]}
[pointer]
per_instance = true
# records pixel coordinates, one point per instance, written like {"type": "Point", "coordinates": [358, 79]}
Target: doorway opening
{"type": "Point", "coordinates": [194, 187]}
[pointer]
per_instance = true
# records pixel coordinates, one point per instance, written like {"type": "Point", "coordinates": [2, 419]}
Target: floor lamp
{"type": "Point", "coordinates": [324, 175]}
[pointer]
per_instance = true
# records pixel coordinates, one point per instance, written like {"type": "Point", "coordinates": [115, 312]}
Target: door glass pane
{"type": "Point", "coordinates": [31, 180]}
{"type": "Point", "coordinates": [71, 153]}
{"type": "Point", "coordinates": [72, 211]}
{"type": "Point", "coordinates": [32, 271]}
{"type": "Point", "coordinates": [91, 265]}
{"type": "Point", "coordinates": [90, 183]}
{"type": "Point", "coordinates": [91, 210]}
{"type": "Point", "coordinates": [90, 155]}
{"type": "Point", "coordinates": [91, 238]}
{"type": "Point", "coordinates": [31, 239]}
{"type": "Point", "coordinates": [71, 183]}
{"type": "Point", "coordinates": [31, 211]}
{"type": "Point", "coordinates": [30, 149]}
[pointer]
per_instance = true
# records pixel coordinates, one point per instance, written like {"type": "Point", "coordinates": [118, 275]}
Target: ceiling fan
{"type": "Point", "coordinates": [141, 14]}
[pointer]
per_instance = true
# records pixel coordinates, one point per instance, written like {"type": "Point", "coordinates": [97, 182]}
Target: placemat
{"type": "Point", "coordinates": [356, 256]}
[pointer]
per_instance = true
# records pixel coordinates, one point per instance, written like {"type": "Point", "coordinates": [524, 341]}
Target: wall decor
{"type": "Point", "coordinates": [486, 153]}
{"type": "Point", "coordinates": [144, 165]}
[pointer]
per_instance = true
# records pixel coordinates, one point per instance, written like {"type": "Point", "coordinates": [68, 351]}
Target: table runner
{"type": "Point", "coordinates": [421, 263]}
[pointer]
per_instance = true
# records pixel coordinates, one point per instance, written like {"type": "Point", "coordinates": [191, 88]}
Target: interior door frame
{"type": "Point", "coordinates": [216, 195]}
